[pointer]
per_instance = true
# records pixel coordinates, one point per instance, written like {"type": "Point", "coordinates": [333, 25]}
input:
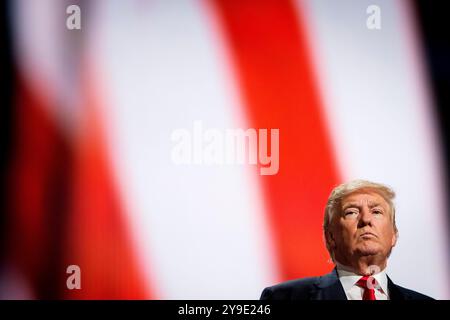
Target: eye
{"type": "Point", "coordinates": [377, 212]}
{"type": "Point", "coordinates": [350, 213]}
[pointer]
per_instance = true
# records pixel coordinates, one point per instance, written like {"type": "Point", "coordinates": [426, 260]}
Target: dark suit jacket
{"type": "Point", "coordinates": [328, 287]}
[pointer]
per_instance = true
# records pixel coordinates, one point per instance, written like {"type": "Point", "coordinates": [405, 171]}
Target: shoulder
{"type": "Point", "coordinates": [293, 289]}
{"type": "Point", "coordinates": [409, 294]}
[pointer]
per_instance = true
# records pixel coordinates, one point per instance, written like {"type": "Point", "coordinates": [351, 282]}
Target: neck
{"type": "Point", "coordinates": [365, 265]}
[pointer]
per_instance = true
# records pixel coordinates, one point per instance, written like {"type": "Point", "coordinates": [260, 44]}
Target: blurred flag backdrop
{"type": "Point", "coordinates": [91, 182]}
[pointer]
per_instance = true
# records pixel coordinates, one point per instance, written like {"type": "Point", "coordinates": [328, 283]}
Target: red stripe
{"type": "Point", "coordinates": [99, 239]}
{"type": "Point", "coordinates": [65, 208]}
{"type": "Point", "coordinates": [36, 187]}
{"type": "Point", "coordinates": [270, 56]}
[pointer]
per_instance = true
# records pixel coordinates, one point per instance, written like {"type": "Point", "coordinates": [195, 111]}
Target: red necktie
{"type": "Point", "coordinates": [368, 283]}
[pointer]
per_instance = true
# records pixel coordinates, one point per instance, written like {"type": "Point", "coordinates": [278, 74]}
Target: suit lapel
{"type": "Point", "coordinates": [328, 287]}
{"type": "Point", "coordinates": [394, 292]}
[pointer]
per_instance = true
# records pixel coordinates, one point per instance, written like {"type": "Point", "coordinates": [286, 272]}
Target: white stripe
{"type": "Point", "coordinates": [200, 229]}
{"type": "Point", "coordinates": [380, 120]}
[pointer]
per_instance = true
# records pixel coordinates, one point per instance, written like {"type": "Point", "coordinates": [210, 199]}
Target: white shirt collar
{"type": "Point", "coordinates": [348, 278]}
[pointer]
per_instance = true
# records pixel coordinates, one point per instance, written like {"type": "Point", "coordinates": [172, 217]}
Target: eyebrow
{"type": "Point", "coordinates": [356, 205]}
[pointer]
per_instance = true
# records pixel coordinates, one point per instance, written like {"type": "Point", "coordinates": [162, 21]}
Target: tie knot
{"type": "Point", "coordinates": [367, 282]}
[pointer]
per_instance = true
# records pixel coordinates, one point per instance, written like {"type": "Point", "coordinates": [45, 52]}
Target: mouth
{"type": "Point", "coordinates": [368, 235]}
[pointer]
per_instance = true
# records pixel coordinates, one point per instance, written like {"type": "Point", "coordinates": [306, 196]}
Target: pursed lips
{"type": "Point", "coordinates": [368, 234]}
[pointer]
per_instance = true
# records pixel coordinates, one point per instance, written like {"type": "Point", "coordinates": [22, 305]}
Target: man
{"type": "Point", "coordinates": [359, 231]}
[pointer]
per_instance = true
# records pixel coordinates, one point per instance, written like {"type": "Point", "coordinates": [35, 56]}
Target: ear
{"type": "Point", "coordinates": [330, 239]}
{"type": "Point", "coordinates": [394, 239]}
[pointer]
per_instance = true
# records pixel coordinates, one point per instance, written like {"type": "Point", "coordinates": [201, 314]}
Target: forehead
{"type": "Point", "coordinates": [371, 197]}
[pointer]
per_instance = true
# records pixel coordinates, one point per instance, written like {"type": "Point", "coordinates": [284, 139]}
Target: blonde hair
{"type": "Point", "coordinates": [343, 190]}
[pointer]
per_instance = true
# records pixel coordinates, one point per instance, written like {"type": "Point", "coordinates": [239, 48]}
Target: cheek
{"type": "Point", "coordinates": [386, 229]}
{"type": "Point", "coordinates": [349, 224]}
{"type": "Point", "coordinates": [347, 229]}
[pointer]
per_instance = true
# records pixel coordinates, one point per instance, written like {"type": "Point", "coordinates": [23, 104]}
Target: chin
{"type": "Point", "coordinates": [368, 250]}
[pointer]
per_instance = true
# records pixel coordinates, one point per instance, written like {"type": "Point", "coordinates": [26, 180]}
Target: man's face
{"type": "Point", "coordinates": [364, 227]}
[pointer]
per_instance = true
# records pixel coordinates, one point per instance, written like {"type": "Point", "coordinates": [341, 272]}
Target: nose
{"type": "Point", "coordinates": [365, 217]}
